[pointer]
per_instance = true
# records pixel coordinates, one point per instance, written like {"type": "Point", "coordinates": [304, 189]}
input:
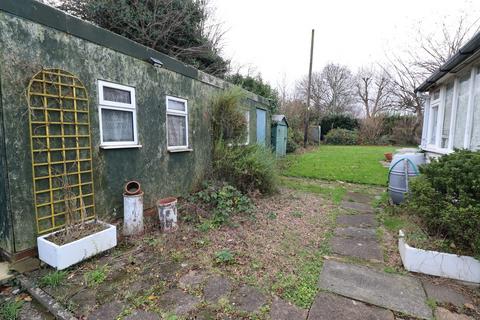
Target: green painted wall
{"type": "Point", "coordinates": [26, 47]}
{"type": "Point", "coordinates": [6, 236]}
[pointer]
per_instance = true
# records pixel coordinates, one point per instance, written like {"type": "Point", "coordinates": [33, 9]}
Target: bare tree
{"type": "Point", "coordinates": [374, 91]}
{"type": "Point", "coordinates": [417, 63]}
{"type": "Point", "coordinates": [433, 50]}
{"type": "Point", "coordinates": [332, 91]}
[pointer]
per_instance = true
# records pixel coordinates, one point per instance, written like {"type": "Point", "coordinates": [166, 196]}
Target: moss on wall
{"type": "Point", "coordinates": [25, 47]}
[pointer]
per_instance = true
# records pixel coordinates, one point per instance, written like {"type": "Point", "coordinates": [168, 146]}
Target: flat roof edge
{"type": "Point", "coordinates": [56, 19]}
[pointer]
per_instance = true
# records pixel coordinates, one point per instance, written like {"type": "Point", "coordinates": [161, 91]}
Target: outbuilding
{"type": "Point", "coordinates": [279, 134]}
{"type": "Point", "coordinates": [86, 108]}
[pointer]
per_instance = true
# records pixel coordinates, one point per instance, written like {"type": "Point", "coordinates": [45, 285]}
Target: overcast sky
{"type": "Point", "coordinates": [273, 36]}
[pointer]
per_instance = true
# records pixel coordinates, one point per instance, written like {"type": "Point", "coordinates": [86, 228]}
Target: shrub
{"type": "Point", "coordinates": [222, 201]}
{"type": "Point", "coordinates": [228, 119]}
{"type": "Point", "coordinates": [249, 168]}
{"type": "Point", "coordinates": [292, 145]}
{"type": "Point", "coordinates": [338, 121]}
{"type": "Point", "coordinates": [341, 136]}
{"type": "Point", "coordinates": [447, 198]}
{"type": "Point", "coordinates": [371, 129]}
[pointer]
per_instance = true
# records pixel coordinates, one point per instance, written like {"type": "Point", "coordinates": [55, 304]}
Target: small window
{"type": "Point", "coordinates": [436, 95]}
{"type": "Point", "coordinates": [118, 115]}
{"type": "Point", "coordinates": [247, 122]}
{"type": "Point", "coordinates": [177, 124]}
{"type": "Point", "coordinates": [434, 124]}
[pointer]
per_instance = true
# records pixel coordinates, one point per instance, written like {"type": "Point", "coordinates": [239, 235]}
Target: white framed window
{"type": "Point", "coordinates": [247, 122]}
{"type": "Point", "coordinates": [177, 124]}
{"type": "Point", "coordinates": [117, 115]}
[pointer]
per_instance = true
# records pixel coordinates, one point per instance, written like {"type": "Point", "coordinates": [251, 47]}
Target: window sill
{"type": "Point", "coordinates": [180, 150]}
{"type": "Point", "coordinates": [121, 146]}
{"type": "Point", "coordinates": [436, 150]}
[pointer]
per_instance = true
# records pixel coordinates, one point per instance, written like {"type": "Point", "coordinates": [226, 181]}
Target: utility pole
{"type": "Point", "coordinates": [307, 109]}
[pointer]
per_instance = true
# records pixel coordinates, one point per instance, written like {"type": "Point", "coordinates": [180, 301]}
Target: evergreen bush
{"type": "Point", "coordinates": [341, 137]}
{"type": "Point", "coordinates": [447, 198]}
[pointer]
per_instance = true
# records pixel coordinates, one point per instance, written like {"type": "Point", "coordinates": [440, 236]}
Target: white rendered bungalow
{"type": "Point", "coordinates": [452, 110]}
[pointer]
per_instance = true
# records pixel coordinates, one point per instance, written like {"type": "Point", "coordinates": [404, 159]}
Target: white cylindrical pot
{"type": "Point", "coordinates": [132, 214]}
{"type": "Point", "coordinates": [167, 214]}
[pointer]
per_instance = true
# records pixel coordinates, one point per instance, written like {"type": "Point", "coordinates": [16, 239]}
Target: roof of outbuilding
{"type": "Point", "coordinates": [467, 51]}
{"type": "Point", "coordinates": [276, 118]}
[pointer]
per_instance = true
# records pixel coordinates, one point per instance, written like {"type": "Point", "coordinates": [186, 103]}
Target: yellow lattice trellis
{"type": "Point", "coordinates": [61, 150]}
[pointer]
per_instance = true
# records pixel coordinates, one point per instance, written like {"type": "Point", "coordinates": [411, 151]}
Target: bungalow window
{"type": "Point", "coordinates": [247, 122]}
{"type": "Point", "coordinates": [462, 110]}
{"type": "Point", "coordinates": [177, 124]}
{"type": "Point", "coordinates": [117, 115]}
{"type": "Point", "coordinates": [475, 143]}
{"type": "Point", "coordinates": [447, 116]}
{"type": "Point", "coordinates": [433, 127]}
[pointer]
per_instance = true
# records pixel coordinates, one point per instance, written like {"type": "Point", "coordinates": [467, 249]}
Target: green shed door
{"type": "Point", "coordinates": [281, 140]}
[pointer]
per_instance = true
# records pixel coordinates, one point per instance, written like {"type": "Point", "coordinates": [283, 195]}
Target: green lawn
{"type": "Point", "coordinates": [357, 164]}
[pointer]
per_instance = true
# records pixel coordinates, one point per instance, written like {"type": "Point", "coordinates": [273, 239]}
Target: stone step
{"type": "Point", "coordinates": [328, 306]}
{"type": "Point", "coordinates": [356, 233]}
{"type": "Point", "coordinates": [357, 220]}
{"type": "Point", "coordinates": [395, 292]}
{"type": "Point", "coordinates": [359, 197]}
{"type": "Point", "coordinates": [357, 206]}
{"type": "Point", "coordinates": [358, 248]}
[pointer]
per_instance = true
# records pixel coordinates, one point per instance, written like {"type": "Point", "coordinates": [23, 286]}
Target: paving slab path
{"type": "Point", "coordinates": [396, 292]}
{"type": "Point", "coordinates": [358, 248]}
{"type": "Point", "coordinates": [352, 285]}
{"type": "Point", "coordinates": [328, 306]}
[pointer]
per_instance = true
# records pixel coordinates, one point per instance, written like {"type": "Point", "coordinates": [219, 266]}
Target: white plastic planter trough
{"type": "Point", "coordinates": [61, 257]}
{"type": "Point", "coordinates": [440, 264]}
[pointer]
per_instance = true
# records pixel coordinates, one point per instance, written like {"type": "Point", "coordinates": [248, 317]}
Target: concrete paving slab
{"type": "Point", "coordinates": [5, 275]}
{"type": "Point", "coordinates": [25, 265]}
{"type": "Point", "coordinates": [109, 311]}
{"type": "Point", "coordinates": [444, 294]}
{"type": "Point", "coordinates": [328, 306]}
{"type": "Point", "coordinates": [178, 302]}
{"type": "Point", "coordinates": [282, 310]}
{"type": "Point", "coordinates": [193, 279]}
{"type": "Point", "coordinates": [359, 248]}
{"type": "Point", "coordinates": [215, 288]}
{"type": "Point", "coordinates": [357, 206]}
{"type": "Point", "coordinates": [357, 220]}
{"type": "Point", "coordinates": [444, 314]}
{"type": "Point", "coordinates": [248, 299]}
{"type": "Point", "coordinates": [358, 197]}
{"type": "Point", "coordinates": [356, 233]}
{"type": "Point", "coordinates": [142, 315]}
{"type": "Point", "coordinates": [399, 293]}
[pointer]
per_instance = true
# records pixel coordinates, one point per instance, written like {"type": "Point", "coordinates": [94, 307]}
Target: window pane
{"type": "Point", "coordinates": [176, 105]}
{"type": "Point", "coordinates": [436, 95]}
{"type": "Point", "coordinates": [117, 125]}
{"type": "Point", "coordinates": [459, 133]}
{"type": "Point", "coordinates": [177, 130]}
{"type": "Point", "coordinates": [476, 115]}
{"type": "Point", "coordinates": [247, 122]}
{"type": "Point", "coordinates": [433, 132]}
{"type": "Point", "coordinates": [116, 95]}
{"type": "Point", "coordinates": [447, 115]}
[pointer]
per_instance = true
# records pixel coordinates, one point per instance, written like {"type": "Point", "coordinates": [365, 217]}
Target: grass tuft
{"type": "Point", "coordinates": [53, 279]}
{"type": "Point", "coordinates": [96, 276]}
{"type": "Point", "coordinates": [10, 310]}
